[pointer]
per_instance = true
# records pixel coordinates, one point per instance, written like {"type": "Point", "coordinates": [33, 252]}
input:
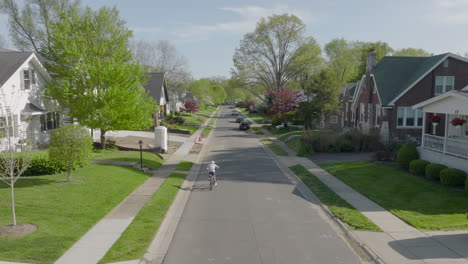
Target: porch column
{"type": "Point", "coordinates": [446, 132]}
{"type": "Point", "coordinates": [424, 129]}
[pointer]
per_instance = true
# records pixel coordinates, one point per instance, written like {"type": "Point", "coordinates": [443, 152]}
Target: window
{"type": "Point", "coordinates": [361, 114]}
{"type": "Point", "coordinates": [6, 128]}
{"type": "Point", "coordinates": [446, 63]}
{"type": "Point", "coordinates": [50, 121]}
{"type": "Point", "coordinates": [444, 84]}
{"type": "Point", "coordinates": [33, 76]}
{"type": "Point", "coordinates": [407, 117]}
{"type": "Point", "coordinates": [26, 79]}
{"type": "Point", "coordinates": [333, 119]}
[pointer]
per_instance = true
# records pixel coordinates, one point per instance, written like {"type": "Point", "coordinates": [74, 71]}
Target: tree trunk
{"type": "Point", "coordinates": [69, 175]}
{"type": "Point", "coordinates": [103, 139]}
{"type": "Point", "coordinates": [13, 211]}
{"type": "Point", "coordinates": [285, 124]}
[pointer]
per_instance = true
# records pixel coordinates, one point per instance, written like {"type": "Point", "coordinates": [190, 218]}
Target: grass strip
{"type": "Point", "coordinates": [257, 131]}
{"type": "Point", "coordinates": [212, 122]}
{"type": "Point", "coordinates": [62, 211]}
{"type": "Point", "coordinates": [274, 147]}
{"type": "Point", "coordinates": [184, 166]}
{"type": "Point", "coordinates": [353, 218]}
{"type": "Point", "coordinates": [134, 241]}
{"type": "Point", "coordinates": [423, 204]}
{"type": "Point", "coordinates": [206, 131]}
{"type": "Point", "coordinates": [149, 159]}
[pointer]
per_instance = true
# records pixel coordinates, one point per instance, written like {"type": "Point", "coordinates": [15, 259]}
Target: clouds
{"type": "Point", "coordinates": [248, 18]}
{"type": "Point", "coordinates": [449, 12]}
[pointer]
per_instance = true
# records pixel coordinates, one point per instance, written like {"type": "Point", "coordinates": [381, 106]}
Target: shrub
{"type": "Point", "coordinates": [406, 154]}
{"type": "Point", "coordinates": [42, 166]}
{"type": "Point", "coordinates": [174, 119]}
{"type": "Point", "coordinates": [344, 145]}
{"type": "Point", "coordinates": [70, 146]}
{"type": "Point", "coordinates": [452, 177]}
{"type": "Point", "coordinates": [433, 170]}
{"type": "Point", "coordinates": [418, 166]}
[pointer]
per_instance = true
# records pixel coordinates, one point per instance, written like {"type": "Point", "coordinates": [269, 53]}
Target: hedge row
{"type": "Point", "coordinates": [408, 158]}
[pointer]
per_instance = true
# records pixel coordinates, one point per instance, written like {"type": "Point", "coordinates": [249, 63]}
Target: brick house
{"type": "Point", "coordinates": [382, 100]}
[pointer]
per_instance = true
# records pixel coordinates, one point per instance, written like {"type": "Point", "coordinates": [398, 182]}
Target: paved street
{"type": "Point", "coordinates": [255, 215]}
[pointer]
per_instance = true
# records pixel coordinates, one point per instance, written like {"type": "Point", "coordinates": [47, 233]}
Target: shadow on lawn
{"type": "Point", "coordinates": [26, 182]}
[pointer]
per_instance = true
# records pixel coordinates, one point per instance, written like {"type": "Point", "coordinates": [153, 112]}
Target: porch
{"type": "Point", "coordinates": [451, 149]}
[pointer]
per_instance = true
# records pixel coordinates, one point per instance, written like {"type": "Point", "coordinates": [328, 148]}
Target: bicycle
{"type": "Point", "coordinates": [212, 180]}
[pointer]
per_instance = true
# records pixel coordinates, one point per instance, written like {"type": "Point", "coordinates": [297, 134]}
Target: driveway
{"type": "Point", "coordinates": [255, 215]}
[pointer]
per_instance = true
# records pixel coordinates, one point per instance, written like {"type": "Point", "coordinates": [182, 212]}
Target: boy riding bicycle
{"type": "Point", "coordinates": [212, 167]}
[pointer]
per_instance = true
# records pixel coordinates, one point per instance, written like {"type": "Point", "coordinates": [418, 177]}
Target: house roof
{"type": "Point", "coordinates": [156, 84]}
{"type": "Point", "coordinates": [10, 61]}
{"type": "Point", "coordinates": [394, 75]}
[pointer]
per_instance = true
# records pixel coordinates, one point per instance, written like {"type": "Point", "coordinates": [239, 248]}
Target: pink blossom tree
{"type": "Point", "coordinates": [283, 101]}
{"type": "Point", "coordinates": [191, 106]}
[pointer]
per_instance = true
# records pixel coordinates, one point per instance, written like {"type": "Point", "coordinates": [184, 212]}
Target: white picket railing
{"type": "Point", "coordinates": [452, 146]}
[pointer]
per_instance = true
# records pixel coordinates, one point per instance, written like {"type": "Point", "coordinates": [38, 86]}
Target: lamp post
{"type": "Point", "coordinates": [140, 142]}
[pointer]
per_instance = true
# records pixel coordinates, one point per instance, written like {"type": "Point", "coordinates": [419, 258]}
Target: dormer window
{"type": "Point", "coordinates": [444, 84]}
{"type": "Point", "coordinates": [446, 63]}
{"type": "Point", "coordinates": [26, 79]}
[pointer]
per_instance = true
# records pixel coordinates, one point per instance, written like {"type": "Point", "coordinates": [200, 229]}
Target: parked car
{"type": "Point", "coordinates": [253, 111]}
{"type": "Point", "coordinates": [244, 125]}
{"type": "Point", "coordinates": [239, 119]}
{"type": "Point", "coordinates": [235, 112]}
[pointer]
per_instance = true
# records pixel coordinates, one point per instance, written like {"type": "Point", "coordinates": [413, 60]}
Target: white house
{"type": "Point", "coordinates": [452, 148]}
{"type": "Point", "coordinates": [25, 114]}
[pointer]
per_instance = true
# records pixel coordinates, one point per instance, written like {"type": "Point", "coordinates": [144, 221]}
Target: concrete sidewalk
{"type": "Point", "coordinates": [99, 239]}
{"type": "Point", "coordinates": [400, 242]}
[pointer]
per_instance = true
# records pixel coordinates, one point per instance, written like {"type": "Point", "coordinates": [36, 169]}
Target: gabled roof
{"type": "Point", "coordinates": [156, 84]}
{"type": "Point", "coordinates": [10, 61]}
{"type": "Point", "coordinates": [394, 75]}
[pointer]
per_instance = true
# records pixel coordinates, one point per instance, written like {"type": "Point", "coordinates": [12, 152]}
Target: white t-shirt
{"type": "Point", "coordinates": [212, 167]}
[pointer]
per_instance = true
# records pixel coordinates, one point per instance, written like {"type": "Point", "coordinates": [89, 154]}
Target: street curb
{"type": "Point", "coordinates": [167, 230]}
{"type": "Point", "coordinates": [354, 242]}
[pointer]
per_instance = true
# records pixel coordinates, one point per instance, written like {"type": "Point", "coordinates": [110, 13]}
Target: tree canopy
{"type": "Point", "coordinates": [96, 78]}
{"type": "Point", "coordinates": [274, 53]}
{"type": "Point", "coordinates": [411, 52]}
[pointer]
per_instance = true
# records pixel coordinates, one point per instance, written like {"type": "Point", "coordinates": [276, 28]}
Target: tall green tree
{"type": "Point", "coordinates": [411, 52]}
{"type": "Point", "coordinates": [271, 55]}
{"type": "Point", "coordinates": [29, 24]}
{"type": "Point", "coordinates": [343, 60]}
{"type": "Point", "coordinates": [96, 78]}
{"type": "Point", "coordinates": [324, 93]}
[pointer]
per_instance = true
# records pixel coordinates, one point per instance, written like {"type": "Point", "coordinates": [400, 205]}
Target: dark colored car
{"type": "Point", "coordinates": [252, 111]}
{"type": "Point", "coordinates": [244, 125]}
{"type": "Point", "coordinates": [235, 113]}
{"type": "Point", "coordinates": [239, 119]}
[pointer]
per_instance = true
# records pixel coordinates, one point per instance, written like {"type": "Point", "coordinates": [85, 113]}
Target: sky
{"type": "Point", "coordinates": [207, 32]}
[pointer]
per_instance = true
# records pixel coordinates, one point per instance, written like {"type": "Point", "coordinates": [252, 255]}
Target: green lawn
{"type": "Point", "coordinates": [149, 159]}
{"type": "Point", "coordinates": [63, 211]}
{"type": "Point", "coordinates": [259, 118]}
{"type": "Point", "coordinates": [193, 122]}
{"type": "Point", "coordinates": [354, 219]}
{"type": "Point", "coordinates": [275, 148]}
{"type": "Point", "coordinates": [279, 131]}
{"type": "Point", "coordinates": [419, 202]}
{"type": "Point", "coordinates": [137, 237]}
{"type": "Point", "coordinates": [184, 166]}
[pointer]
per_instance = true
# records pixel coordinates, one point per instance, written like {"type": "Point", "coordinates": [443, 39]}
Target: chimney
{"type": "Point", "coordinates": [371, 61]}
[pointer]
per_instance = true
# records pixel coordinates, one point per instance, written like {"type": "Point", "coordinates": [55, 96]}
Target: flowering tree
{"type": "Point", "coordinates": [190, 106]}
{"type": "Point", "coordinates": [249, 104]}
{"type": "Point", "coordinates": [283, 101]}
